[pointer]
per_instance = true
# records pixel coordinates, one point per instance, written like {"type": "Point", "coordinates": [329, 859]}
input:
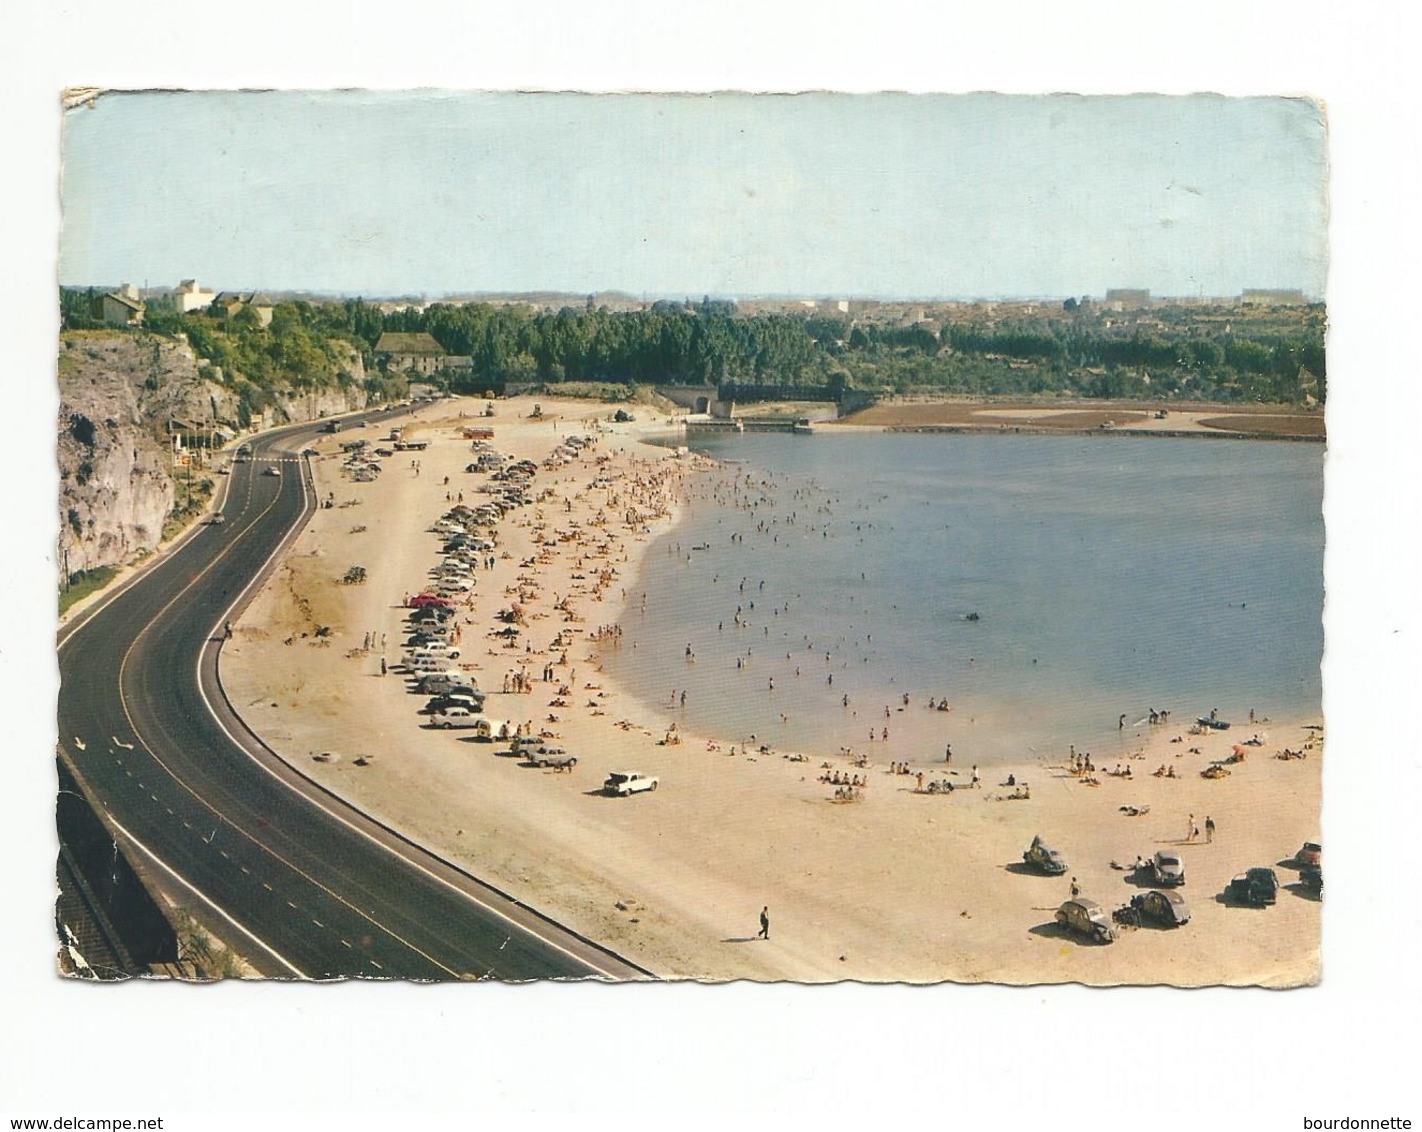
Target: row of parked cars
{"type": "Point", "coordinates": [1164, 905]}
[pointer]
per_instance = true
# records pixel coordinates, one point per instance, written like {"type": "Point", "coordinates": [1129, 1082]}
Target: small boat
{"type": "Point", "coordinates": [1216, 724]}
{"type": "Point", "coordinates": [702, 546]}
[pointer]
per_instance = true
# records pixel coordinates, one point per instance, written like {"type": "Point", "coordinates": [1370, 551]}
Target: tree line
{"type": "Point", "coordinates": [1207, 355]}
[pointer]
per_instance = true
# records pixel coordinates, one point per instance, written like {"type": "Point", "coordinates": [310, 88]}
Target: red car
{"type": "Point", "coordinates": [420, 601]}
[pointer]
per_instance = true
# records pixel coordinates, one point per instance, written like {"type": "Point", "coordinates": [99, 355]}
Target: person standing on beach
{"type": "Point", "coordinates": [1190, 828]}
{"type": "Point", "coordinates": [948, 753]}
{"type": "Point", "coordinates": [1209, 829]}
{"type": "Point", "coordinates": [764, 932]}
{"type": "Point", "coordinates": [1121, 723]}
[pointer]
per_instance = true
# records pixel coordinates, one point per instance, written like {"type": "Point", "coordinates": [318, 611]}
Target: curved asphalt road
{"type": "Point", "coordinates": [297, 882]}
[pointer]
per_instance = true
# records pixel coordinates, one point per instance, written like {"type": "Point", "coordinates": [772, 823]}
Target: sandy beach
{"type": "Point", "coordinates": [896, 885]}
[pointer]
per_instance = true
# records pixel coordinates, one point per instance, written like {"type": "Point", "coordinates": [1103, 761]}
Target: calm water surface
{"type": "Point", "coordinates": [1107, 575]}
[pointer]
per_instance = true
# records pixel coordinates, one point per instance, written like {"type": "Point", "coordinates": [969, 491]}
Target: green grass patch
{"type": "Point", "coordinates": [82, 583]}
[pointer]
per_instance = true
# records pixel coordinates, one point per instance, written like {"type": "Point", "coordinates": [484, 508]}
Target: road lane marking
{"type": "Point", "coordinates": [281, 547]}
{"type": "Point", "coordinates": [268, 948]}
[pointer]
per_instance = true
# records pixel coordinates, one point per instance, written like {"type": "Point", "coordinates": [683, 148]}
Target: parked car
{"type": "Point", "coordinates": [1087, 918]}
{"type": "Point", "coordinates": [1167, 868]}
{"type": "Point", "coordinates": [1311, 877]}
{"type": "Point", "coordinates": [454, 717]}
{"type": "Point", "coordinates": [624, 782]}
{"type": "Point", "coordinates": [494, 729]}
{"type": "Point", "coordinates": [1042, 857]}
{"type": "Point", "coordinates": [447, 700]}
{"type": "Point", "coordinates": [1257, 886]}
{"type": "Point", "coordinates": [555, 757]}
{"type": "Point", "coordinates": [426, 600]}
{"type": "Point", "coordinates": [1167, 908]}
{"type": "Point", "coordinates": [438, 683]}
{"type": "Point", "coordinates": [1310, 854]}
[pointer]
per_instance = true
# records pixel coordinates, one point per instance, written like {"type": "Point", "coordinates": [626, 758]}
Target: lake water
{"type": "Point", "coordinates": [1107, 575]}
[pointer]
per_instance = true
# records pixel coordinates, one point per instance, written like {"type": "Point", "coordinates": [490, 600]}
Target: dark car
{"type": "Point", "coordinates": [1310, 854]}
{"type": "Point", "coordinates": [447, 700]}
{"type": "Point", "coordinates": [1042, 857]}
{"type": "Point", "coordinates": [1086, 917]}
{"type": "Point", "coordinates": [1256, 887]}
{"type": "Point", "coordinates": [1311, 877]}
{"type": "Point", "coordinates": [1167, 908]}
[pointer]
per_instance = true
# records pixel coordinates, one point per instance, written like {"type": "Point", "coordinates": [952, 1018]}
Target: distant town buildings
{"type": "Point", "coordinates": [417, 353]}
{"type": "Point", "coordinates": [1266, 297]}
{"type": "Point", "coordinates": [190, 297]}
{"type": "Point", "coordinates": [230, 303]}
{"type": "Point", "coordinates": [1126, 299]}
{"type": "Point", "coordinates": [123, 307]}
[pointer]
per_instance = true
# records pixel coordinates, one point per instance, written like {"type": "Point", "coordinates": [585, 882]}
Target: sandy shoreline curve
{"type": "Point", "coordinates": [899, 885]}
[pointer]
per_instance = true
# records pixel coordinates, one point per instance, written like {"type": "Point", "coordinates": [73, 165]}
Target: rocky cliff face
{"type": "Point", "coordinates": [118, 392]}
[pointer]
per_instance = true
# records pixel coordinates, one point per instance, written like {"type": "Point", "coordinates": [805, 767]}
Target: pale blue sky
{"type": "Point", "coordinates": [884, 195]}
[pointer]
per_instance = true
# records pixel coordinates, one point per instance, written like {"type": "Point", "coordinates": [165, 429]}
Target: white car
{"type": "Point", "coordinates": [624, 782]}
{"type": "Point", "coordinates": [454, 717]}
{"type": "Point", "coordinates": [273, 470]}
{"type": "Point", "coordinates": [550, 754]}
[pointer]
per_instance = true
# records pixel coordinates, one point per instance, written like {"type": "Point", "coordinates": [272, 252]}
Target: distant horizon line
{"type": "Point", "coordinates": [690, 296]}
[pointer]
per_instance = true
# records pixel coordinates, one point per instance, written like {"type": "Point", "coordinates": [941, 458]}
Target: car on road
{"type": "Point", "coordinates": [1086, 918]}
{"type": "Point", "coordinates": [272, 470]}
{"type": "Point", "coordinates": [621, 783]}
{"type": "Point", "coordinates": [1042, 857]}
{"type": "Point", "coordinates": [216, 519]}
{"type": "Point", "coordinates": [1256, 887]}
{"type": "Point", "coordinates": [1167, 868]}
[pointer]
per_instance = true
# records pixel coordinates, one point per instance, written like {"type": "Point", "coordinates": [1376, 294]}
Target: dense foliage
{"type": "Point", "coordinates": [1200, 353]}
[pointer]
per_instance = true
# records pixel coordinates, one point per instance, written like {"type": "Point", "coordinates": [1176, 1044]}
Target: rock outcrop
{"type": "Point", "coordinates": [118, 392]}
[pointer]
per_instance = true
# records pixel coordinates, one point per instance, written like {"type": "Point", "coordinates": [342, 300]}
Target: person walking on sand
{"type": "Point", "coordinates": [1209, 829]}
{"type": "Point", "coordinates": [764, 932]}
{"type": "Point", "coordinates": [1075, 888]}
{"type": "Point", "coordinates": [948, 753]}
{"type": "Point", "coordinates": [1190, 828]}
{"type": "Point", "coordinates": [975, 776]}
